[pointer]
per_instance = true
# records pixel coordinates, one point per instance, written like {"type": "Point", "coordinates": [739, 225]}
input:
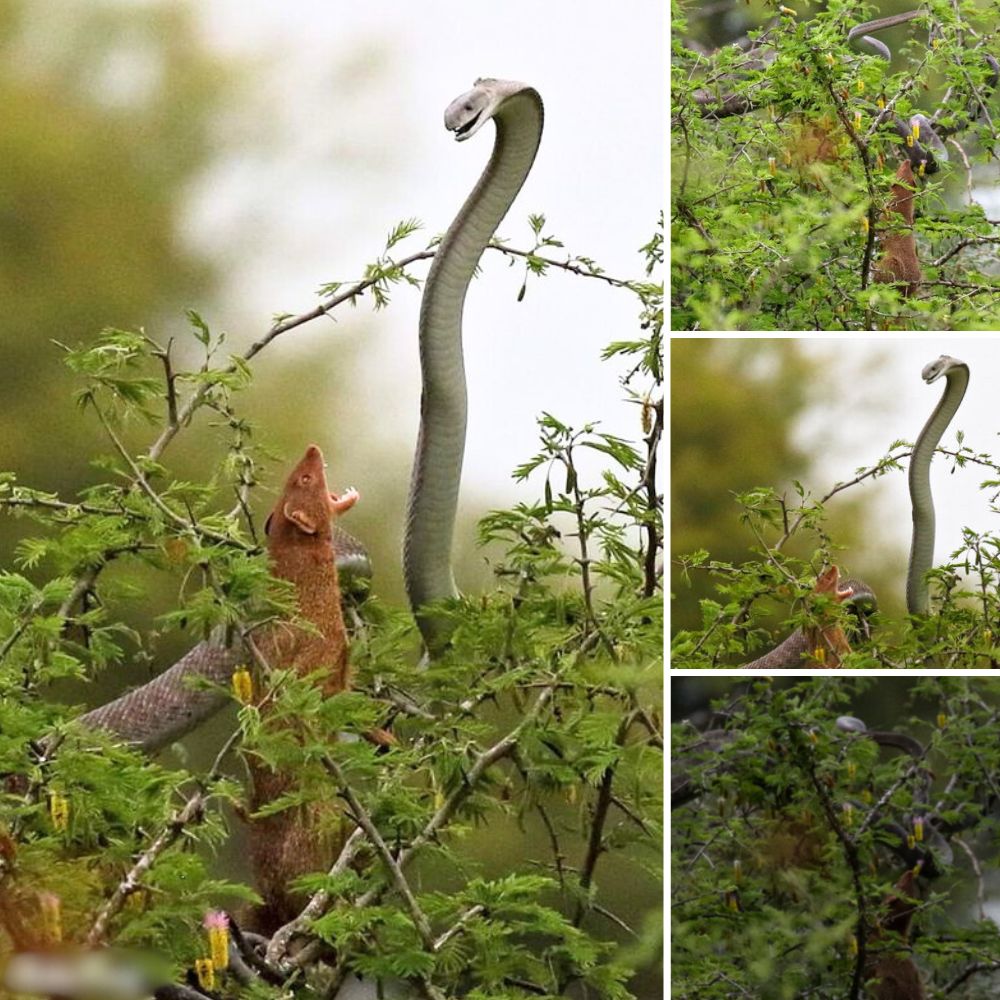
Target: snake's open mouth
{"type": "Point", "coordinates": [463, 131]}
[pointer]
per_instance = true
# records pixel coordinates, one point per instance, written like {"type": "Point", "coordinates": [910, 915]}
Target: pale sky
{"type": "Point", "coordinates": [348, 99]}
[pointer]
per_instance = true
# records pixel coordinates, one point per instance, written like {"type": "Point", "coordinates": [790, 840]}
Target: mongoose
{"type": "Point", "coordinates": [898, 263]}
{"type": "Point", "coordinates": [814, 646]}
{"type": "Point", "coordinates": [299, 542]}
{"type": "Point", "coordinates": [829, 643]}
{"type": "Point", "coordinates": [897, 975]}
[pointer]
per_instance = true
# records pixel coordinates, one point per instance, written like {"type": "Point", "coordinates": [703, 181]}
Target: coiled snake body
{"type": "Point", "coordinates": [803, 646]}
{"type": "Point", "coordinates": [167, 707]}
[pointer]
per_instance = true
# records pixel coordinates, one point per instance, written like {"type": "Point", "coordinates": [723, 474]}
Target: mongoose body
{"type": "Point", "coordinates": [898, 263]}
{"type": "Point", "coordinates": [897, 975]}
{"type": "Point", "coordinates": [300, 545]}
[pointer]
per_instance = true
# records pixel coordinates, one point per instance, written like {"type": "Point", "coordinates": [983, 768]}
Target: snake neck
{"type": "Point", "coordinates": [437, 467]}
{"type": "Point", "coordinates": [922, 503]}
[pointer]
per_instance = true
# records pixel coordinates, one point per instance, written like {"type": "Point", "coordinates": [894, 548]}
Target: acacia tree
{"type": "Point", "coordinates": [541, 714]}
{"type": "Point", "coordinates": [783, 156]}
{"type": "Point", "coordinates": [960, 633]}
{"type": "Point", "coordinates": [800, 836]}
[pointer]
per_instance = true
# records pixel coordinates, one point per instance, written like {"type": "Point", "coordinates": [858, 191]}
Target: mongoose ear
{"type": "Point", "coordinates": [267, 523]}
{"type": "Point", "coordinates": [301, 520]}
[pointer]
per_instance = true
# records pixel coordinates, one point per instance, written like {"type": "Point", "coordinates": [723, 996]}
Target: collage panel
{"type": "Point", "coordinates": [835, 836]}
{"type": "Point", "coordinates": [833, 166]}
{"type": "Point", "coordinates": [331, 517]}
{"type": "Point", "coordinates": [834, 504]}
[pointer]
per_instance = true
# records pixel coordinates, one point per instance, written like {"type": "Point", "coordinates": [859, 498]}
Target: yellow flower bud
{"type": "Point", "coordinates": [217, 924]}
{"type": "Point", "coordinates": [137, 900]}
{"type": "Point", "coordinates": [909, 140]}
{"type": "Point", "coordinates": [860, 85]}
{"type": "Point", "coordinates": [772, 166]}
{"type": "Point", "coordinates": [243, 686]}
{"type": "Point", "coordinates": [942, 720]}
{"type": "Point", "coordinates": [918, 828]}
{"type": "Point", "coordinates": [51, 906]}
{"type": "Point", "coordinates": [915, 130]}
{"type": "Point", "coordinates": [205, 972]}
{"type": "Point", "coordinates": [59, 811]}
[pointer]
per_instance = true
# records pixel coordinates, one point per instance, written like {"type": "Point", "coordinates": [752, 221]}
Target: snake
{"type": "Point", "coordinates": [168, 707]}
{"type": "Point", "coordinates": [857, 594]}
{"type": "Point", "coordinates": [929, 147]}
{"type": "Point", "coordinates": [956, 375]}
{"type": "Point", "coordinates": [517, 112]}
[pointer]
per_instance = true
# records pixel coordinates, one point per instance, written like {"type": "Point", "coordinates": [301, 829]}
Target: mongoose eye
{"type": "Point", "coordinates": [306, 478]}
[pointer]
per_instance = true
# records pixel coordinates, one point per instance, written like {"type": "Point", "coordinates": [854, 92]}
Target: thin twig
{"type": "Point", "coordinates": [459, 925]}
{"type": "Point", "coordinates": [595, 842]}
{"type": "Point", "coordinates": [133, 879]}
{"type": "Point", "coordinates": [364, 820]}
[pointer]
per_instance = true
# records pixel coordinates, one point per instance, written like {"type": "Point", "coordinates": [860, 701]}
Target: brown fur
{"type": "Point", "coordinates": [296, 841]}
{"type": "Point", "coordinates": [814, 146]}
{"type": "Point", "coordinates": [897, 975]}
{"type": "Point", "coordinates": [830, 638]}
{"type": "Point", "coordinates": [899, 263]}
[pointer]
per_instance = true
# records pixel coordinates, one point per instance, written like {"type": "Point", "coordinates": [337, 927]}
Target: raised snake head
{"type": "Point", "coordinates": [941, 367]}
{"type": "Point", "coordinates": [467, 114]}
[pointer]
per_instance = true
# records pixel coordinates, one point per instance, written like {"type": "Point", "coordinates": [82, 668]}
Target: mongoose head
{"type": "Point", "coordinates": [307, 506]}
